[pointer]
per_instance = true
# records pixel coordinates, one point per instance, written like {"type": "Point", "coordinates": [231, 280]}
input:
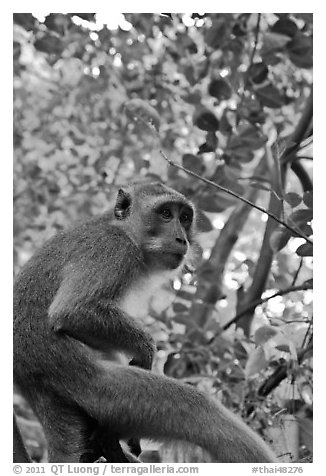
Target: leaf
{"type": "Point", "coordinates": [270, 96]}
{"type": "Point", "coordinates": [256, 362]}
{"type": "Point", "coordinates": [305, 250]}
{"type": "Point", "coordinates": [49, 44]}
{"type": "Point", "coordinates": [178, 307]}
{"type": "Point", "coordinates": [205, 120]}
{"type": "Point", "coordinates": [258, 72]}
{"type": "Point", "coordinates": [306, 229]}
{"type": "Point", "coordinates": [193, 163]}
{"type": "Point", "coordinates": [306, 432]}
{"type": "Point", "coordinates": [252, 136]}
{"type": "Point", "coordinates": [264, 333]}
{"type": "Point", "coordinates": [225, 126]}
{"type": "Point", "coordinates": [293, 199]}
{"type": "Point", "coordinates": [137, 108]}
{"type": "Point", "coordinates": [220, 89]}
{"type": "Point", "coordinates": [309, 283]}
{"type": "Point", "coordinates": [248, 139]}
{"type": "Point", "coordinates": [26, 20]}
{"type": "Point", "coordinates": [283, 348]}
{"type": "Point", "coordinates": [301, 50]}
{"type": "Point", "coordinates": [210, 144]}
{"type": "Point", "coordinates": [301, 217]}
{"type": "Point", "coordinates": [216, 33]}
{"type": "Point", "coordinates": [273, 42]}
{"type": "Point", "coordinates": [203, 222]}
{"type": "Point", "coordinates": [308, 199]}
{"type": "Point", "coordinates": [285, 26]}
{"type": "Point", "coordinates": [57, 22]}
{"type": "Point", "coordinates": [279, 238]}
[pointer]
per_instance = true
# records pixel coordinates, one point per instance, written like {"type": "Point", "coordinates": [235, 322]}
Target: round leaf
{"type": "Point", "coordinates": [279, 238]}
{"type": "Point", "coordinates": [206, 120]}
{"type": "Point", "coordinates": [258, 72]}
{"type": "Point", "coordinates": [301, 217]}
{"type": "Point", "coordinates": [305, 250]}
{"type": "Point", "coordinates": [49, 44]}
{"type": "Point", "coordinates": [293, 199]}
{"type": "Point", "coordinates": [264, 333]}
{"type": "Point", "coordinates": [220, 89]}
{"type": "Point", "coordinates": [285, 26]}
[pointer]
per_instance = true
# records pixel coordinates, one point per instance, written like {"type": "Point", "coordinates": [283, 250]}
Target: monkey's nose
{"type": "Point", "coordinates": [182, 241]}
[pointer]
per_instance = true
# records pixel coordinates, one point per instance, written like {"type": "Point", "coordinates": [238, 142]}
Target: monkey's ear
{"type": "Point", "coordinates": [122, 206]}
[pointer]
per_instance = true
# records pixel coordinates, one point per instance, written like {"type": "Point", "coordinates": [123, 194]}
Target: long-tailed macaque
{"type": "Point", "coordinates": [76, 329]}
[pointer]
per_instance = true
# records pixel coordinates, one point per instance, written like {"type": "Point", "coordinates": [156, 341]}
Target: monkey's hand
{"type": "Point", "coordinates": [146, 349]}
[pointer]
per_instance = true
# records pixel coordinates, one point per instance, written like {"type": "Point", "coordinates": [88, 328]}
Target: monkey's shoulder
{"type": "Point", "coordinates": [93, 250]}
{"type": "Point", "coordinates": [95, 239]}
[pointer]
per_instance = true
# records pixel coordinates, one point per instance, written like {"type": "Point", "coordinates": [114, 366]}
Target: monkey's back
{"type": "Point", "coordinates": [41, 355]}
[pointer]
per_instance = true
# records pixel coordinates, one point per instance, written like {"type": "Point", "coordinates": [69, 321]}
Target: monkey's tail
{"type": "Point", "coordinates": [141, 404]}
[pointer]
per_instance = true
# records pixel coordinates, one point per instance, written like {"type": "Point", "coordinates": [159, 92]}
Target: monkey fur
{"type": "Point", "coordinates": [77, 304]}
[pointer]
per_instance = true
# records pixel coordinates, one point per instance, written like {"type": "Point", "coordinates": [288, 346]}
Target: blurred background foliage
{"type": "Point", "coordinates": [230, 96]}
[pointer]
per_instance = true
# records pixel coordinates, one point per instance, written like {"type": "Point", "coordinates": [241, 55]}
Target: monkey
{"type": "Point", "coordinates": [77, 326]}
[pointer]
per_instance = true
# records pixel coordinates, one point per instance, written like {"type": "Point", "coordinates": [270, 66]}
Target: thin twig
{"type": "Point", "coordinates": [295, 277]}
{"type": "Point", "coordinates": [294, 231]}
{"type": "Point", "coordinates": [220, 187]}
{"type": "Point", "coordinates": [304, 342]}
{"type": "Point", "coordinates": [302, 287]}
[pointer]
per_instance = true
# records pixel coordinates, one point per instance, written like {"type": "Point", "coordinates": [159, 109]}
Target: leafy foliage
{"type": "Point", "coordinates": [225, 96]}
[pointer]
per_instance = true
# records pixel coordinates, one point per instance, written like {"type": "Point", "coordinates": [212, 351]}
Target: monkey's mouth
{"type": "Point", "coordinates": [173, 259]}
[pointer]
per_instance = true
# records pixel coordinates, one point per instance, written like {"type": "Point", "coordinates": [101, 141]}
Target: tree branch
{"type": "Point", "coordinates": [300, 171]}
{"type": "Point", "coordinates": [301, 131]}
{"type": "Point", "coordinates": [282, 371]}
{"type": "Point", "coordinates": [220, 253]}
{"type": "Point", "coordinates": [266, 255]}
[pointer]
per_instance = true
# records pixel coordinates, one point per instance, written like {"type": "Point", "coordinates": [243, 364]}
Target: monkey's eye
{"type": "Point", "coordinates": [186, 218]}
{"type": "Point", "coordinates": [166, 214]}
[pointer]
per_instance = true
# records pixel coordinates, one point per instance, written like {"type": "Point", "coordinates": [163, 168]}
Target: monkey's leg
{"type": "Point", "coordinates": [67, 429]}
{"type": "Point", "coordinates": [107, 445]}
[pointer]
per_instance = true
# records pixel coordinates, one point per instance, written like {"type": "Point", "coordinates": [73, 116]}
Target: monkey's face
{"type": "Point", "coordinates": [160, 221]}
{"type": "Point", "coordinates": [168, 230]}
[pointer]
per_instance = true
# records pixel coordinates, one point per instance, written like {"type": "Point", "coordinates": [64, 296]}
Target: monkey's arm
{"type": "Point", "coordinates": [106, 328]}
